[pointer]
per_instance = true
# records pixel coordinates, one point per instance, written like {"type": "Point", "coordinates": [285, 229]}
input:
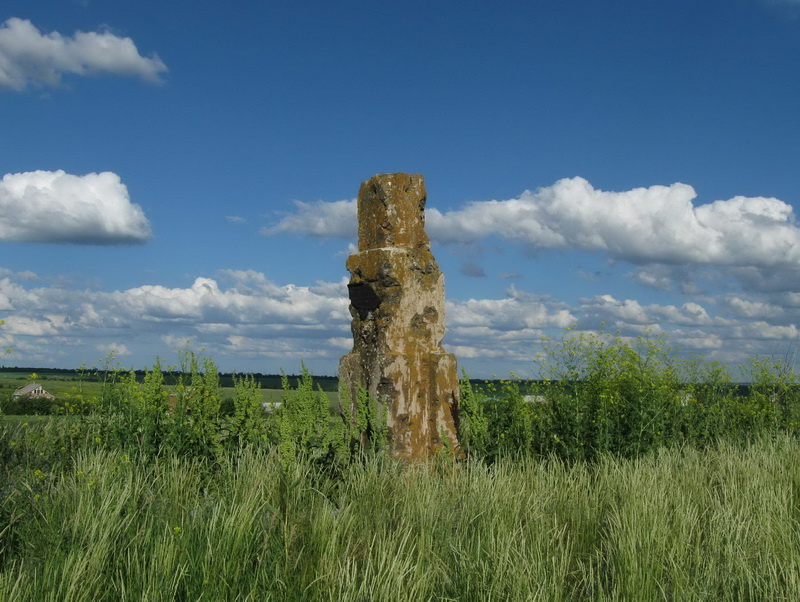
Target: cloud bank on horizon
{"type": "Point", "coordinates": [56, 207]}
{"type": "Point", "coordinates": [28, 57]}
{"type": "Point", "coordinates": [243, 316]}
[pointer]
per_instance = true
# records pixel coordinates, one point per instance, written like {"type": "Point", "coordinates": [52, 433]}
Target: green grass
{"type": "Point", "coordinates": [15, 419]}
{"type": "Point", "coordinates": [14, 425]}
{"type": "Point", "coordinates": [57, 386]}
{"type": "Point", "coordinates": [638, 477]}
{"type": "Point", "coordinates": [18, 419]}
{"type": "Point", "coordinates": [721, 524]}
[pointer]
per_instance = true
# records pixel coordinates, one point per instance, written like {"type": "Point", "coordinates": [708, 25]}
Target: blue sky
{"type": "Point", "coordinates": [186, 171]}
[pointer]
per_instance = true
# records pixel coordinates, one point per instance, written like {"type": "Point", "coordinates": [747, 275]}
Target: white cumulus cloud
{"type": "Point", "coordinates": [205, 302]}
{"type": "Point", "coordinates": [246, 321]}
{"type": "Point", "coordinates": [502, 328]}
{"type": "Point", "coordinates": [56, 207]}
{"type": "Point", "coordinates": [27, 56]}
{"type": "Point", "coordinates": [115, 349]}
{"type": "Point", "coordinates": [337, 219]}
{"type": "Point", "coordinates": [655, 225]}
{"type": "Point", "coordinates": [745, 308]}
{"type": "Point", "coordinates": [629, 312]}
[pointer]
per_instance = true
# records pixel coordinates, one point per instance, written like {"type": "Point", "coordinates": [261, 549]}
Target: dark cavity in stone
{"type": "Point", "coordinates": [363, 298]}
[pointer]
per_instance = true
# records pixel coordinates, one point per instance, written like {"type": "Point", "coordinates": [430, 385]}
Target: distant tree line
{"type": "Point", "coordinates": [171, 377]}
{"type": "Point", "coordinates": [274, 381]}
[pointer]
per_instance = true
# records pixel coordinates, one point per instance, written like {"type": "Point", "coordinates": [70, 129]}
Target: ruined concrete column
{"type": "Point", "coordinates": [397, 304]}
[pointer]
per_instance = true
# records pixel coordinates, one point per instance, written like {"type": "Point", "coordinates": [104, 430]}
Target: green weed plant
{"type": "Point", "coordinates": [601, 394]}
{"type": "Point", "coordinates": [306, 426]}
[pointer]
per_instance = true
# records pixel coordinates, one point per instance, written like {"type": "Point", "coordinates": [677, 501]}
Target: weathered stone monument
{"type": "Point", "coordinates": [397, 304]}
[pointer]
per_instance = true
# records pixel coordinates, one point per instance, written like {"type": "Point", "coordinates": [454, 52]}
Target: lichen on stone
{"type": "Point", "coordinates": [397, 355]}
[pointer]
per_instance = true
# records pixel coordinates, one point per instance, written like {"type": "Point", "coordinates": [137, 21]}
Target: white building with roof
{"type": "Point", "coordinates": [32, 390]}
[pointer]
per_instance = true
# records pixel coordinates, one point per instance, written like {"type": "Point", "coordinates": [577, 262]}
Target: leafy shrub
{"type": "Point", "coordinates": [473, 425]}
{"type": "Point", "coordinates": [188, 419]}
{"type": "Point", "coordinates": [30, 406]}
{"type": "Point", "coordinates": [600, 394]}
{"type": "Point", "coordinates": [365, 420]}
{"type": "Point", "coordinates": [247, 423]}
{"type": "Point", "coordinates": [605, 394]}
{"type": "Point", "coordinates": [306, 425]}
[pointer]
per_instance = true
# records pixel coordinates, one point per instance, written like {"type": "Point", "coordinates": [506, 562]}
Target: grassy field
{"type": "Point", "coordinates": [69, 386]}
{"type": "Point", "coordinates": [633, 476]}
{"type": "Point", "coordinates": [55, 383]}
{"type": "Point", "coordinates": [36, 420]}
{"type": "Point", "coordinates": [682, 524]}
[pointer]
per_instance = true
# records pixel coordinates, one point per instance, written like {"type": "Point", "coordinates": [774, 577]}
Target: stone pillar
{"type": "Point", "coordinates": [397, 304]}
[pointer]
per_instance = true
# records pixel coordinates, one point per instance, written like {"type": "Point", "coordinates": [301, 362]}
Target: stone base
{"type": "Point", "coordinates": [419, 394]}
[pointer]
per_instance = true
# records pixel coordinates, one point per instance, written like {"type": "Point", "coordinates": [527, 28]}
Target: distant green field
{"type": "Point", "coordinates": [90, 389]}
{"type": "Point", "coordinates": [55, 383]}
{"type": "Point", "coordinates": [60, 386]}
{"type": "Point", "coordinates": [72, 383]}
